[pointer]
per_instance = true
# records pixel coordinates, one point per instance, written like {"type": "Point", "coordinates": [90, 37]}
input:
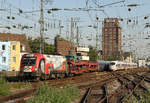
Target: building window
{"type": "Point", "coordinates": [3, 47]}
{"type": "Point", "coordinates": [22, 48]}
{"type": "Point", "coordinates": [14, 59]}
{"type": "Point", "coordinates": [3, 59]}
{"type": "Point", "coordinates": [14, 47]}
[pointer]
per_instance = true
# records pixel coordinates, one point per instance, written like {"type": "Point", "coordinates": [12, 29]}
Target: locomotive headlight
{"type": "Point", "coordinates": [36, 68]}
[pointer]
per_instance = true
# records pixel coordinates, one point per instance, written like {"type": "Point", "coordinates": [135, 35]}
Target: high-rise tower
{"type": "Point", "coordinates": [111, 39]}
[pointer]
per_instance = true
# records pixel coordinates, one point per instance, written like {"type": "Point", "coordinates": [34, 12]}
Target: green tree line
{"type": "Point", "coordinates": [35, 46]}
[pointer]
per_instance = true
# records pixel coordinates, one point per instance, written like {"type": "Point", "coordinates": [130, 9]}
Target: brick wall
{"type": "Point", "coordinates": [64, 47]}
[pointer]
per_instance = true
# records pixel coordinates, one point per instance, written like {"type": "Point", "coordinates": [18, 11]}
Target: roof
{"type": "Point", "coordinates": [16, 37]}
{"type": "Point", "coordinates": [127, 54]}
{"type": "Point", "coordinates": [62, 38]}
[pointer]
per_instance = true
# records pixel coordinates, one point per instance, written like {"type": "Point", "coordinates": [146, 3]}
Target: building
{"type": "Point", "coordinates": [14, 56]}
{"type": "Point", "coordinates": [82, 53]}
{"type": "Point", "coordinates": [4, 56]}
{"type": "Point", "coordinates": [24, 46]}
{"type": "Point", "coordinates": [10, 56]}
{"type": "Point", "coordinates": [127, 57]}
{"type": "Point", "coordinates": [111, 39]}
{"type": "Point", "coordinates": [64, 47]}
{"type": "Point", "coordinates": [141, 62]}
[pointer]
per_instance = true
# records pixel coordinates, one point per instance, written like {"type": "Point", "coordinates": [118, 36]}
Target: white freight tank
{"type": "Point", "coordinates": [56, 60]}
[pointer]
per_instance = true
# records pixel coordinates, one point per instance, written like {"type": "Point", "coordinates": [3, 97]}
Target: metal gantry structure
{"type": "Point", "coordinates": [97, 6]}
{"type": "Point", "coordinates": [42, 27]}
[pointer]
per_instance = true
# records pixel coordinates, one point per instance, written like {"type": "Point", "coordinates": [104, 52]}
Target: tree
{"type": "Point", "coordinates": [92, 53]}
{"type": "Point", "coordinates": [49, 48]}
{"type": "Point", "coordinates": [35, 46]}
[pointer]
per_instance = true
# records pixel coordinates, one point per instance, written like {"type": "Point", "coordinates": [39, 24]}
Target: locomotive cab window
{"type": "Point", "coordinates": [28, 61]}
{"type": "Point", "coordinates": [112, 63]}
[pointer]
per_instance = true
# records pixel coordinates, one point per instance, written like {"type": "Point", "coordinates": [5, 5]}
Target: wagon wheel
{"type": "Point", "coordinates": [37, 78]}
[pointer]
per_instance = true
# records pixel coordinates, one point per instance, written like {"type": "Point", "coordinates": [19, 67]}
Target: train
{"type": "Point", "coordinates": [120, 65]}
{"type": "Point", "coordinates": [38, 66]}
{"type": "Point", "coordinates": [41, 66]}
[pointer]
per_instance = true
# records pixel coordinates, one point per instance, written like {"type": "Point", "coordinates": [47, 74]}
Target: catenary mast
{"type": "Point", "coordinates": [42, 27]}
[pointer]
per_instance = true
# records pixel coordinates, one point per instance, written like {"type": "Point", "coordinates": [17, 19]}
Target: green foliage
{"type": "Point", "coordinates": [49, 48]}
{"type": "Point", "coordinates": [35, 46]}
{"type": "Point", "coordinates": [92, 53]}
{"type": "Point", "coordinates": [48, 94]}
{"type": "Point", "coordinates": [4, 87]}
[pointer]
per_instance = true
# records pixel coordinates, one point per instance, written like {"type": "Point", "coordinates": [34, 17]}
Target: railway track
{"type": "Point", "coordinates": [97, 84]}
{"type": "Point", "coordinates": [122, 92]}
{"type": "Point", "coordinates": [20, 97]}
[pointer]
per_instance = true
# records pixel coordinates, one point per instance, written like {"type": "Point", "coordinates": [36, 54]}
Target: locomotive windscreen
{"type": "Point", "coordinates": [28, 61]}
{"type": "Point", "coordinates": [112, 63]}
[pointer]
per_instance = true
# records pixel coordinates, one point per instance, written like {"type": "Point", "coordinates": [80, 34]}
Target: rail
{"type": "Point", "coordinates": [86, 97]}
{"type": "Point", "coordinates": [125, 84]}
{"type": "Point", "coordinates": [22, 94]}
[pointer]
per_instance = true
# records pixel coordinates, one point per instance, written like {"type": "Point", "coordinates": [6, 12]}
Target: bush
{"type": "Point", "coordinates": [48, 94]}
{"type": "Point", "coordinates": [4, 87]}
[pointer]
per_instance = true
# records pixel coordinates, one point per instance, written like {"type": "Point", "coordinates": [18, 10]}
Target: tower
{"type": "Point", "coordinates": [111, 39]}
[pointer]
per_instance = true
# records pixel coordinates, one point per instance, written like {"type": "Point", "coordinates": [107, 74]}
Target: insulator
{"type": "Point", "coordinates": [8, 27]}
{"type": "Point", "coordinates": [20, 11]}
{"type": "Point", "coordinates": [97, 18]}
{"type": "Point", "coordinates": [49, 12]}
{"type": "Point", "coordinates": [14, 26]}
{"type": "Point", "coordinates": [13, 17]}
{"type": "Point", "coordinates": [129, 20]}
{"type": "Point", "coordinates": [8, 17]}
{"type": "Point", "coordinates": [129, 9]}
{"type": "Point", "coordinates": [145, 17]}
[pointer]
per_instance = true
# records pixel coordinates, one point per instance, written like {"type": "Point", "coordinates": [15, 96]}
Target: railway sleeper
{"type": "Point", "coordinates": [125, 84]}
{"type": "Point", "coordinates": [132, 91]}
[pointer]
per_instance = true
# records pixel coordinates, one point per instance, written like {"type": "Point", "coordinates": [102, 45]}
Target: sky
{"type": "Point", "coordinates": [133, 33]}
